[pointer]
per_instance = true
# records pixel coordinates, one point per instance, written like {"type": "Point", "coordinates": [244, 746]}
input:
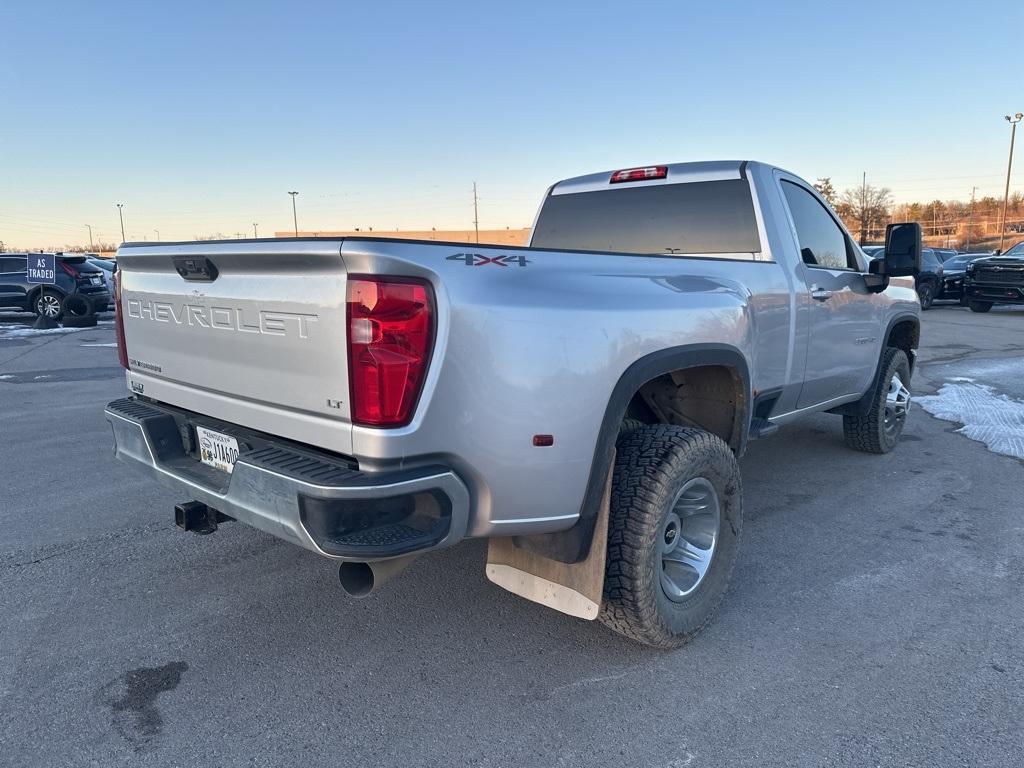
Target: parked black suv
{"type": "Point", "coordinates": [929, 280]}
{"type": "Point", "coordinates": [75, 276]}
{"type": "Point", "coordinates": [953, 271]}
{"type": "Point", "coordinates": [995, 280]}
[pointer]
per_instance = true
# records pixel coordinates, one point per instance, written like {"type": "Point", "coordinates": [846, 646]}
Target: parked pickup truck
{"type": "Point", "coordinates": [995, 280]}
{"type": "Point", "coordinates": [580, 402]}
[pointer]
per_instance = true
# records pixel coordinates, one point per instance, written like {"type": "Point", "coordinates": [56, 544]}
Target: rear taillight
{"type": "Point", "coordinates": [122, 348]}
{"type": "Point", "coordinates": [390, 337]}
{"type": "Point", "coordinates": [69, 269]}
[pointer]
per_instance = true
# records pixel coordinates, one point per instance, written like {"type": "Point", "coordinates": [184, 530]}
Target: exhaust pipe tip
{"type": "Point", "coordinates": [356, 579]}
{"type": "Point", "coordinates": [362, 579]}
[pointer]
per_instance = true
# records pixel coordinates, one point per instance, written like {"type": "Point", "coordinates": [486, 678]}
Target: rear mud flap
{"type": "Point", "coordinates": [575, 589]}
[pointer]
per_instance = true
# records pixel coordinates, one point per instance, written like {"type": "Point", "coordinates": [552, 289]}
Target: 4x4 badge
{"type": "Point", "coordinates": [478, 259]}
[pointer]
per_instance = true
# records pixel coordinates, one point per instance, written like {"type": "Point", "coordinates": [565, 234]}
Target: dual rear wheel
{"type": "Point", "coordinates": [677, 514]}
{"type": "Point", "coordinates": [674, 527]}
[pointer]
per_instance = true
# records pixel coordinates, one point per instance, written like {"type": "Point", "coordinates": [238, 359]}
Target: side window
{"type": "Point", "coordinates": [822, 242]}
{"type": "Point", "coordinates": [12, 264]}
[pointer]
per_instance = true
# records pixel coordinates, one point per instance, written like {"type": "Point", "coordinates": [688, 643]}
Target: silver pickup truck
{"type": "Point", "coordinates": [580, 402]}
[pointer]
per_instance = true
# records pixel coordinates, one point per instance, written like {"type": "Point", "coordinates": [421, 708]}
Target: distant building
{"type": "Point", "coordinates": [487, 236]}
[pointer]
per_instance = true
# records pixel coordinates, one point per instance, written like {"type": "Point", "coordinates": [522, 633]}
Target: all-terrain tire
{"type": "Point", "coordinates": [869, 433]}
{"type": "Point", "coordinates": [980, 306]}
{"type": "Point", "coordinates": [77, 311]}
{"type": "Point", "coordinates": [653, 464]}
{"type": "Point", "coordinates": [628, 425]}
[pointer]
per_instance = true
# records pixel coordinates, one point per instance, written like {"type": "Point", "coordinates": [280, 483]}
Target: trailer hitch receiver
{"type": "Point", "coordinates": [197, 517]}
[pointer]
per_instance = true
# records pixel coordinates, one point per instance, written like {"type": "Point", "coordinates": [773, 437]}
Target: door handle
{"type": "Point", "coordinates": [820, 294]}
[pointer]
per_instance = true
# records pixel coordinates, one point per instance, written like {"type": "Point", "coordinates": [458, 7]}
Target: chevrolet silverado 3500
{"type": "Point", "coordinates": [581, 402]}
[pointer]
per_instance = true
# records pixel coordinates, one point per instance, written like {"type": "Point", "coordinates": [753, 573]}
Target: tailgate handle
{"type": "Point", "coordinates": [199, 270]}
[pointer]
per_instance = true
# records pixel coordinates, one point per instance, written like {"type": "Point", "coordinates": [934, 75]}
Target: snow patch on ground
{"type": "Point", "coordinates": [987, 416]}
{"type": "Point", "coordinates": [27, 331]}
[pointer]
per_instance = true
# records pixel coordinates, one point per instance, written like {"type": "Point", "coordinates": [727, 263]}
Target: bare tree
{"type": "Point", "coordinates": [864, 206]}
{"type": "Point", "coordinates": [826, 190]}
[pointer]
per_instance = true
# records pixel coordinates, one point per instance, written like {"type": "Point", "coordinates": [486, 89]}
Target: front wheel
{"type": "Point", "coordinates": [980, 306]}
{"type": "Point", "coordinates": [878, 430]}
{"type": "Point", "coordinates": [926, 294]}
{"type": "Point", "coordinates": [674, 530]}
{"type": "Point", "coordinates": [48, 304]}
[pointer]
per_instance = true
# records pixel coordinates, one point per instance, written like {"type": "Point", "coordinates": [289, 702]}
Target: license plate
{"type": "Point", "coordinates": [96, 280]}
{"type": "Point", "coordinates": [217, 449]}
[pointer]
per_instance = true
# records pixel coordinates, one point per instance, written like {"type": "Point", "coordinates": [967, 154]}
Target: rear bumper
{"type": "Point", "coordinates": [311, 498]}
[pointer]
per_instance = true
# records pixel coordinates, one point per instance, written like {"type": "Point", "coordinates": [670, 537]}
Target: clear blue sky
{"type": "Point", "coordinates": [200, 117]}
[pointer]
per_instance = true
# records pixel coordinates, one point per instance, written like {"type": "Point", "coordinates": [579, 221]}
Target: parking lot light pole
{"type": "Point", "coordinates": [970, 221]}
{"type": "Point", "coordinates": [120, 215]}
{"type": "Point", "coordinates": [255, 236]}
{"type": "Point", "coordinates": [1009, 166]}
{"type": "Point", "coordinates": [157, 233]}
{"type": "Point", "coordinates": [90, 235]}
{"type": "Point", "coordinates": [295, 216]}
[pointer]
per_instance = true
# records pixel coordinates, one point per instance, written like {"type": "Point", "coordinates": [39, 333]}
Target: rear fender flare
{"type": "Point", "coordinates": [573, 545]}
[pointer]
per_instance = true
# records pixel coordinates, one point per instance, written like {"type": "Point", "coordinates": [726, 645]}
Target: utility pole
{"type": "Point", "coordinates": [970, 221]}
{"type": "Point", "coordinates": [90, 236]}
{"type": "Point", "coordinates": [1009, 166]}
{"type": "Point", "coordinates": [864, 208]}
{"type": "Point", "coordinates": [255, 236]}
{"type": "Point", "coordinates": [295, 216]}
{"type": "Point", "coordinates": [120, 215]}
{"type": "Point", "coordinates": [476, 214]}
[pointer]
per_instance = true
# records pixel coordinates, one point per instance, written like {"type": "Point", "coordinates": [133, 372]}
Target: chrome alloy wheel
{"type": "Point", "coordinates": [897, 404]}
{"type": "Point", "coordinates": [688, 537]}
{"type": "Point", "coordinates": [48, 305]}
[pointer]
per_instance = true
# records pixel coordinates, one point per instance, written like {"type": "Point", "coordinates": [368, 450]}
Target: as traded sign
{"type": "Point", "coordinates": [40, 268]}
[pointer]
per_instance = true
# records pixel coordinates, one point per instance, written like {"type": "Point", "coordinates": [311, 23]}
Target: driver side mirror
{"type": "Point", "coordinates": [902, 249]}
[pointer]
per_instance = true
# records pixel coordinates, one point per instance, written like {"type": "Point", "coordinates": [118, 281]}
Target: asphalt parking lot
{"type": "Point", "coordinates": [875, 619]}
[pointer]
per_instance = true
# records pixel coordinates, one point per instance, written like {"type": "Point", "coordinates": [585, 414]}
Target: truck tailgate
{"type": "Point", "coordinates": [252, 333]}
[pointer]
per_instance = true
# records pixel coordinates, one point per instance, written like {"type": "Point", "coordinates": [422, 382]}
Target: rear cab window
{"type": "Point", "coordinates": [699, 218]}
